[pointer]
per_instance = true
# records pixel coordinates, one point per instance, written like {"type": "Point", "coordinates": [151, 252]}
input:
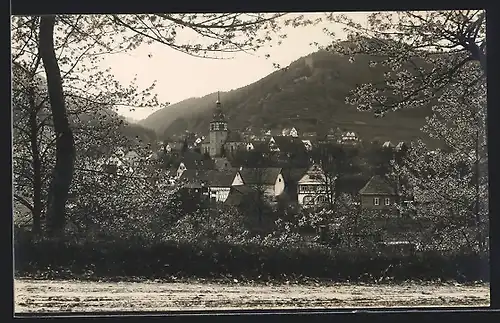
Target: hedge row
{"type": "Point", "coordinates": [122, 258]}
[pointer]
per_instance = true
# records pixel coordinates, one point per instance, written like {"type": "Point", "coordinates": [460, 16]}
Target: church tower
{"type": "Point", "coordinates": [218, 130]}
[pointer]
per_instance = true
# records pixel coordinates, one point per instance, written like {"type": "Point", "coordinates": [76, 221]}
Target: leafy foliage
{"type": "Point", "coordinates": [424, 53]}
{"type": "Point", "coordinates": [451, 184]}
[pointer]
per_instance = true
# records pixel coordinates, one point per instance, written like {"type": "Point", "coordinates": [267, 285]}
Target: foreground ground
{"type": "Point", "coordinates": [81, 296]}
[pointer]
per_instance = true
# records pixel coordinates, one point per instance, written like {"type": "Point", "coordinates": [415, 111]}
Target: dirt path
{"type": "Point", "coordinates": [79, 296]}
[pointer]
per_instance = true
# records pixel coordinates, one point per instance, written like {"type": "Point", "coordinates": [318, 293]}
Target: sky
{"type": "Point", "coordinates": [180, 76]}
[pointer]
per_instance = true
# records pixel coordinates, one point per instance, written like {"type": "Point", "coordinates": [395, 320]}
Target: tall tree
{"type": "Point", "coordinates": [71, 45]}
{"type": "Point", "coordinates": [335, 161]}
{"type": "Point", "coordinates": [453, 181]}
{"type": "Point", "coordinates": [423, 52]}
{"type": "Point", "coordinates": [65, 150]}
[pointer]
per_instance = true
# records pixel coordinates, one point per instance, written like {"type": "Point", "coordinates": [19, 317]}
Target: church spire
{"type": "Point", "coordinates": [218, 115]}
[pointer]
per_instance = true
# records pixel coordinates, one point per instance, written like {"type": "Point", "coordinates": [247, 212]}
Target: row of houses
{"type": "Point", "coordinates": [277, 143]}
{"type": "Point", "coordinates": [307, 187]}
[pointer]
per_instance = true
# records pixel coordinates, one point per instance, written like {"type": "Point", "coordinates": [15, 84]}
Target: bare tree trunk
{"type": "Point", "coordinates": [36, 163]}
{"type": "Point", "coordinates": [65, 152]}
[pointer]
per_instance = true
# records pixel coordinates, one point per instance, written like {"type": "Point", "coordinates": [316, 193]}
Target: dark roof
{"type": "Point", "coordinates": [351, 184]}
{"type": "Point", "coordinates": [289, 144]}
{"type": "Point", "coordinates": [234, 136]}
{"type": "Point", "coordinates": [237, 194]}
{"type": "Point", "coordinates": [293, 175]}
{"type": "Point", "coordinates": [378, 185]}
{"type": "Point", "coordinates": [211, 178]}
{"type": "Point", "coordinates": [260, 145]}
{"type": "Point", "coordinates": [194, 160]}
{"type": "Point", "coordinates": [256, 176]}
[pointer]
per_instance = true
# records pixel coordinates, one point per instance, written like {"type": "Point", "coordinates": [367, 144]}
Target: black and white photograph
{"type": "Point", "coordinates": [249, 161]}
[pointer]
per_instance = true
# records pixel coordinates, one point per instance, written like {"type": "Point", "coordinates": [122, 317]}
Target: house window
{"type": "Point", "coordinates": [308, 200]}
{"type": "Point", "coordinates": [279, 180]}
{"type": "Point", "coordinates": [376, 201]}
{"type": "Point", "coordinates": [387, 201]}
{"type": "Point", "coordinates": [321, 199]}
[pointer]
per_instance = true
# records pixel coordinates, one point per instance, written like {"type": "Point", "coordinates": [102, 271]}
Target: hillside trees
{"type": "Point", "coordinates": [70, 47]}
{"type": "Point", "coordinates": [425, 52]}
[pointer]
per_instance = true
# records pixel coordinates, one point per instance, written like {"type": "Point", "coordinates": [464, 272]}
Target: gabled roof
{"type": "Point", "coordinates": [289, 144]}
{"type": "Point", "coordinates": [377, 185]}
{"type": "Point", "coordinates": [211, 178]}
{"type": "Point", "coordinates": [351, 184]}
{"type": "Point", "coordinates": [293, 175]}
{"type": "Point", "coordinates": [256, 176]}
{"type": "Point", "coordinates": [287, 131]}
{"type": "Point", "coordinates": [314, 174]}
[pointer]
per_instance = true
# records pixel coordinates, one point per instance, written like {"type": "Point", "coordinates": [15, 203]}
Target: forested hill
{"type": "Point", "coordinates": [310, 94]}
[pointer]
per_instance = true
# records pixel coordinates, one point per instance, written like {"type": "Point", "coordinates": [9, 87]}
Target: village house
{"type": "Point", "coordinates": [349, 138]}
{"type": "Point", "coordinates": [387, 144]}
{"type": "Point", "coordinates": [307, 144]}
{"type": "Point", "coordinates": [271, 132]}
{"type": "Point", "coordinates": [378, 194]}
{"type": "Point", "coordinates": [269, 180]}
{"type": "Point", "coordinates": [217, 183]}
{"type": "Point", "coordinates": [258, 146]}
{"type": "Point", "coordinates": [195, 161]}
{"type": "Point", "coordinates": [400, 146]}
{"type": "Point", "coordinates": [292, 132]}
{"type": "Point", "coordinates": [311, 187]}
{"type": "Point", "coordinates": [288, 151]}
{"type": "Point", "coordinates": [120, 160]}
{"type": "Point", "coordinates": [333, 135]}
{"type": "Point", "coordinates": [286, 145]}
